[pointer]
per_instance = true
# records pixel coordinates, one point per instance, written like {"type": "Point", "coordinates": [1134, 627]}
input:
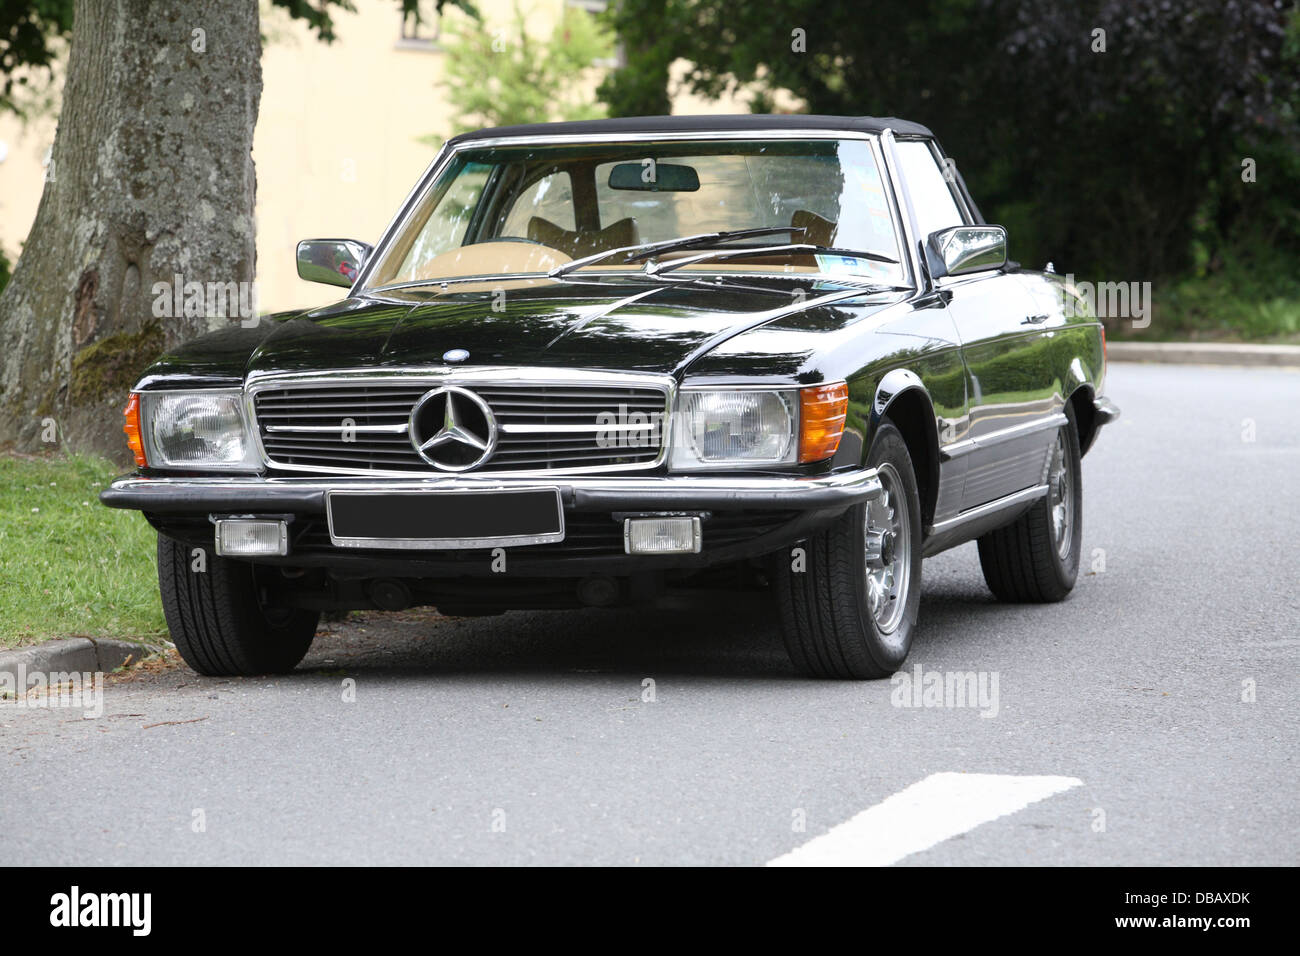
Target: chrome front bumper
{"type": "Point", "coordinates": [1106, 410]}
{"type": "Point", "coordinates": [182, 495]}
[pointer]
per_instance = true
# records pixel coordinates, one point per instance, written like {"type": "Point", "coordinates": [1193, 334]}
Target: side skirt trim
{"type": "Point", "coordinates": [968, 445]}
{"type": "Point", "coordinates": [985, 510]}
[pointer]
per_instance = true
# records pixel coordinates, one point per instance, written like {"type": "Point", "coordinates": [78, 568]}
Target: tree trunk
{"type": "Point", "coordinates": [151, 179]}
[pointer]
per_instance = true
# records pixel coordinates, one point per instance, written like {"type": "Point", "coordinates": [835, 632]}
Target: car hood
{"type": "Point", "coordinates": [649, 326]}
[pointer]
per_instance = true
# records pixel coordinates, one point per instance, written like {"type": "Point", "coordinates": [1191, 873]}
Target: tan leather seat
{"type": "Point", "coordinates": [817, 230]}
{"type": "Point", "coordinates": [578, 244]}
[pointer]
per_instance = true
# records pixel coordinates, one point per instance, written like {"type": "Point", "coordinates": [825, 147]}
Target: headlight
{"type": "Point", "coordinates": [716, 428]}
{"type": "Point", "coordinates": [200, 429]}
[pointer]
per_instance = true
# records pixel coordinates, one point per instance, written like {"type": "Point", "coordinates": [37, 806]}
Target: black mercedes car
{"type": "Point", "coordinates": [589, 364]}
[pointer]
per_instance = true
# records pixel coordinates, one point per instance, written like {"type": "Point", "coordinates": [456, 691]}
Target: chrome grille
{"type": "Point", "coordinates": [551, 427]}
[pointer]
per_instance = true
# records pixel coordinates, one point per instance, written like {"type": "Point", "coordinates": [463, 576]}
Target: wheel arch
{"type": "Point", "coordinates": [1085, 415]}
{"type": "Point", "coordinates": [1080, 366]}
{"type": "Point", "coordinates": [903, 398]}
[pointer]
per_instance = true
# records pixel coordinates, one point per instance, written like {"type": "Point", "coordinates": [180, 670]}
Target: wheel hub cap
{"type": "Point", "coordinates": [1060, 497]}
{"type": "Point", "coordinates": [887, 549]}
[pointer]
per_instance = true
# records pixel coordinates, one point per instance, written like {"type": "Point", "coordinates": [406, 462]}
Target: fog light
{"type": "Point", "coordinates": [246, 536]}
{"type": "Point", "coordinates": [661, 535]}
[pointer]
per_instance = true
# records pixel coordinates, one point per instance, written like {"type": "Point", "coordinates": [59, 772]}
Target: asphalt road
{"type": "Point", "coordinates": [526, 739]}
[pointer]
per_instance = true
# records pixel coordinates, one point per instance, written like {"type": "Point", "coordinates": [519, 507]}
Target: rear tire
{"type": "Point", "coordinates": [1035, 559]}
{"type": "Point", "coordinates": [848, 614]}
{"type": "Point", "coordinates": [217, 620]}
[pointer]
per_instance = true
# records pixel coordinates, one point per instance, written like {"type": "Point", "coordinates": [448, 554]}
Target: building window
{"type": "Point", "coordinates": [420, 32]}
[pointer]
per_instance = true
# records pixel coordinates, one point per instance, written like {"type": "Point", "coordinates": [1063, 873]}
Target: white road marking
{"type": "Point", "coordinates": [940, 807]}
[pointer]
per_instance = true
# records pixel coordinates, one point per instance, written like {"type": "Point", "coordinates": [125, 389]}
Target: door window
{"type": "Point", "coordinates": [932, 197]}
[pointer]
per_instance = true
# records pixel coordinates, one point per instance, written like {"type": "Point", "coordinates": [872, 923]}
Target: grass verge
{"type": "Point", "coordinates": [1249, 294]}
{"type": "Point", "coordinates": [1212, 310]}
{"type": "Point", "coordinates": [69, 567]}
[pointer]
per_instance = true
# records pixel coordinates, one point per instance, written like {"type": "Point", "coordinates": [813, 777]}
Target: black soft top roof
{"type": "Point", "coordinates": [720, 123]}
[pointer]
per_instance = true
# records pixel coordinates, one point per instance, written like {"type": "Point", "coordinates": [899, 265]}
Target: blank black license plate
{"type": "Point", "coordinates": [444, 519]}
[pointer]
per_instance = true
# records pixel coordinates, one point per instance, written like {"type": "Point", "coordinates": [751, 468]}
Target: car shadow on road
{"type": "Point", "coordinates": [734, 636]}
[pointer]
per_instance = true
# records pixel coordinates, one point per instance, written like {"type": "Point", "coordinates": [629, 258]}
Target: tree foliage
{"type": "Point", "coordinates": [319, 17]}
{"type": "Point", "coordinates": [650, 34]}
{"type": "Point", "coordinates": [503, 76]}
{"type": "Point", "coordinates": [26, 32]}
{"type": "Point", "coordinates": [1126, 161]}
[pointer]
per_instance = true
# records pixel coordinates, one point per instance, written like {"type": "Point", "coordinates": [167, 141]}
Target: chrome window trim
{"type": "Point", "coordinates": [666, 136]}
{"type": "Point", "coordinates": [906, 214]}
{"type": "Point", "coordinates": [449, 151]}
{"type": "Point", "coordinates": [845, 278]}
{"type": "Point", "coordinates": [442, 544]}
{"type": "Point", "coordinates": [437, 376]}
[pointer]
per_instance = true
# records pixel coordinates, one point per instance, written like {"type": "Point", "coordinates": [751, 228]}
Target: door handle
{"type": "Point", "coordinates": [1034, 319]}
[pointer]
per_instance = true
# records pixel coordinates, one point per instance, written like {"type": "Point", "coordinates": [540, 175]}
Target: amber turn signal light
{"type": "Point", "coordinates": [822, 413]}
{"type": "Point", "coordinates": [134, 441]}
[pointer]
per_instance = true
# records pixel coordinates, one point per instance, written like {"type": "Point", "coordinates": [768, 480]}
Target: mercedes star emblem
{"type": "Point", "coordinates": [452, 429]}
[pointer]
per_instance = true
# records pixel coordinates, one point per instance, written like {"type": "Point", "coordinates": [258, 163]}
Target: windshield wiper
{"type": "Point", "coordinates": [647, 249]}
{"type": "Point", "coordinates": [708, 239]}
{"type": "Point", "coordinates": [750, 251]}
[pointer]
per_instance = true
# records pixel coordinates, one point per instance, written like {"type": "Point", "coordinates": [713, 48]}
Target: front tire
{"type": "Point", "coordinates": [217, 619]}
{"type": "Point", "coordinates": [849, 604]}
{"type": "Point", "coordinates": [1035, 559]}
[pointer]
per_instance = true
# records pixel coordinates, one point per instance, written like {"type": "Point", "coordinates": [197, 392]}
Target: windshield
{"type": "Point", "coordinates": [531, 209]}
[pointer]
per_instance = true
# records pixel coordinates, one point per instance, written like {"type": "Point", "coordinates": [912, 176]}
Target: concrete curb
{"type": "Point", "coordinates": [80, 654]}
{"type": "Point", "coordinates": [1204, 353]}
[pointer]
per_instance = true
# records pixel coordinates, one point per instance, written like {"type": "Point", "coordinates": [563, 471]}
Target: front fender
{"type": "Point", "coordinates": [902, 397]}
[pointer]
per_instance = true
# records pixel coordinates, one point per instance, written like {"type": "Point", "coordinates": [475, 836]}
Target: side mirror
{"type": "Point", "coordinates": [332, 261]}
{"type": "Point", "coordinates": [964, 249]}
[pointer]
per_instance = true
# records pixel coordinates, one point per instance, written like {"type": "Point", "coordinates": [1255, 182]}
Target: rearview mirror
{"type": "Point", "coordinates": [332, 261]}
{"type": "Point", "coordinates": [965, 249]}
{"type": "Point", "coordinates": [650, 176]}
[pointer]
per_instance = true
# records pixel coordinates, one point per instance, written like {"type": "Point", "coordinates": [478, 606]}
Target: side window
{"type": "Point", "coordinates": [931, 195]}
